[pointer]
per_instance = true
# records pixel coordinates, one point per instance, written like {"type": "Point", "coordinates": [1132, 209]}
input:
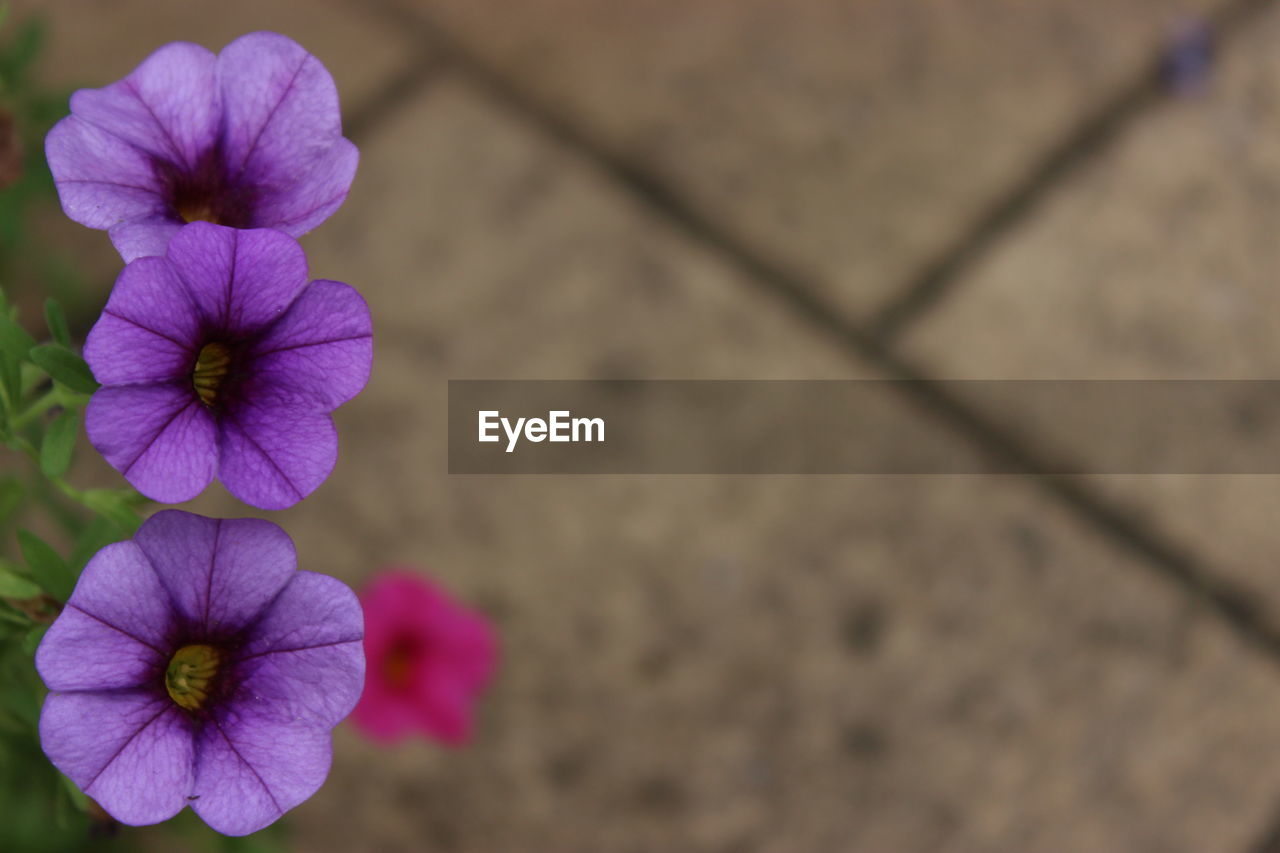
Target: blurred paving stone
{"type": "Point", "coordinates": [1159, 262]}
{"type": "Point", "coordinates": [773, 664]}
{"type": "Point", "coordinates": [852, 141]}
{"type": "Point", "coordinates": [95, 42]}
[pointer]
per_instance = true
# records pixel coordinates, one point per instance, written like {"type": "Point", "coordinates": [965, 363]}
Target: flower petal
{"type": "Point", "coordinates": [403, 605]}
{"type": "Point", "coordinates": [147, 332]}
{"type": "Point", "coordinates": [443, 708]}
{"type": "Point", "coordinates": [220, 573]}
{"type": "Point", "coordinates": [145, 236]}
{"type": "Point", "coordinates": [305, 660]}
{"type": "Point", "coordinates": [114, 629]}
{"type": "Point", "coordinates": [299, 200]}
{"type": "Point", "coordinates": [323, 344]}
{"type": "Point", "coordinates": [81, 652]}
{"type": "Point", "coordinates": [385, 713]}
{"type": "Point", "coordinates": [250, 770]}
{"type": "Point", "coordinates": [281, 107]}
{"type": "Point", "coordinates": [131, 751]}
{"type": "Point", "coordinates": [276, 449]}
{"type": "Point", "coordinates": [158, 436]}
{"type": "Point", "coordinates": [101, 179]}
{"type": "Point", "coordinates": [240, 280]}
{"type": "Point", "coordinates": [169, 106]}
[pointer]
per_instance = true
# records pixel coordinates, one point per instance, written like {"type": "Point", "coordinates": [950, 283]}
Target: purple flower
{"type": "Point", "coordinates": [250, 138]}
{"type": "Point", "coordinates": [194, 665]}
{"type": "Point", "coordinates": [221, 358]}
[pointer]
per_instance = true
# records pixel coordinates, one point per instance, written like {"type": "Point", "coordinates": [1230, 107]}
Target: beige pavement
{"type": "Point", "coordinates": [787, 664]}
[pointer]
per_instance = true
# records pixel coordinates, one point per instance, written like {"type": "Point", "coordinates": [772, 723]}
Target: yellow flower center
{"type": "Point", "coordinates": [190, 676]}
{"type": "Point", "coordinates": [212, 366]}
{"type": "Point", "coordinates": [197, 211]}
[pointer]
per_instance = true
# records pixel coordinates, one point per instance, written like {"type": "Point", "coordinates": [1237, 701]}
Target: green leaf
{"type": "Point", "coordinates": [59, 441]}
{"type": "Point", "coordinates": [49, 569]}
{"type": "Point", "coordinates": [17, 587]}
{"type": "Point", "coordinates": [14, 340]}
{"type": "Point", "coordinates": [11, 495]}
{"type": "Point", "coordinates": [33, 638]}
{"type": "Point", "coordinates": [15, 347]}
{"type": "Point", "coordinates": [22, 50]}
{"type": "Point", "coordinates": [96, 535]}
{"type": "Point", "coordinates": [77, 797]}
{"type": "Point", "coordinates": [56, 320]}
{"type": "Point", "coordinates": [65, 366]}
{"type": "Point", "coordinates": [13, 618]}
{"type": "Point", "coordinates": [112, 505]}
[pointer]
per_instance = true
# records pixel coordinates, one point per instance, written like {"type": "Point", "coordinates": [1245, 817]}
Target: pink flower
{"type": "Point", "coordinates": [428, 656]}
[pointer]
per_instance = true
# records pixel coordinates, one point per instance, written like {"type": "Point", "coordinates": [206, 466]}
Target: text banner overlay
{"type": "Point", "coordinates": [861, 427]}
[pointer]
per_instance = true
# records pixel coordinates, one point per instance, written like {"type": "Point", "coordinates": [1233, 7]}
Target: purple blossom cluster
{"type": "Point", "coordinates": [194, 665]}
{"type": "Point", "coordinates": [216, 355]}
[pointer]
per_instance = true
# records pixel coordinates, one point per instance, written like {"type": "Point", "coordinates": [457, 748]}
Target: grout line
{"type": "Point", "coordinates": [1268, 840]}
{"type": "Point", "coordinates": [1169, 562]}
{"type": "Point", "coordinates": [941, 276]}
{"type": "Point", "coordinates": [383, 104]}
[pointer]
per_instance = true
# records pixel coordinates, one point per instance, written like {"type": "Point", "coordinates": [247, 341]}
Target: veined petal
{"type": "Point", "coordinates": [131, 751]}
{"type": "Point", "coordinates": [307, 190]}
{"type": "Point", "coordinates": [81, 652]}
{"type": "Point", "coordinates": [276, 448]}
{"type": "Point", "coordinates": [250, 769]}
{"type": "Point", "coordinates": [144, 237]}
{"type": "Point", "coordinates": [169, 106]}
{"type": "Point", "coordinates": [280, 103]}
{"type": "Point", "coordinates": [149, 297]}
{"type": "Point", "coordinates": [241, 281]}
{"type": "Point", "coordinates": [305, 660]}
{"type": "Point", "coordinates": [158, 436]}
{"type": "Point", "coordinates": [323, 344]}
{"type": "Point", "coordinates": [220, 573]}
{"type": "Point", "coordinates": [147, 331]}
{"type": "Point", "coordinates": [101, 180]}
{"type": "Point", "coordinates": [116, 623]}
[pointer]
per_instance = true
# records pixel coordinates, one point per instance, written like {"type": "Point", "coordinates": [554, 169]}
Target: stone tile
{"type": "Point", "coordinates": [1159, 262]}
{"type": "Point", "coordinates": [691, 663]}
{"type": "Point", "coordinates": [849, 140]}
{"type": "Point", "coordinates": [95, 42]}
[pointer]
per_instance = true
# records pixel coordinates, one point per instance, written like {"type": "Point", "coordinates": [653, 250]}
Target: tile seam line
{"type": "Point", "coordinates": [1092, 135]}
{"type": "Point", "coordinates": [1166, 562]}
{"type": "Point", "coordinates": [394, 93]}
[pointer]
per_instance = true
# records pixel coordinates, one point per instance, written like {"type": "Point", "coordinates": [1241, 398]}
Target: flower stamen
{"type": "Point", "coordinates": [189, 678]}
{"type": "Point", "coordinates": [197, 212]}
{"type": "Point", "coordinates": [212, 365]}
{"type": "Point", "coordinates": [398, 665]}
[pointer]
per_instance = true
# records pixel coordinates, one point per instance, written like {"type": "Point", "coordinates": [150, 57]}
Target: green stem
{"type": "Point", "coordinates": [39, 407]}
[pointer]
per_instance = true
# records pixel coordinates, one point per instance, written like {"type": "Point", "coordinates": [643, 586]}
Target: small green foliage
{"type": "Point", "coordinates": [13, 585]}
{"type": "Point", "coordinates": [15, 343]}
{"type": "Point", "coordinates": [93, 537]}
{"type": "Point", "coordinates": [32, 640]}
{"type": "Point", "coordinates": [59, 441]}
{"type": "Point", "coordinates": [11, 496]}
{"type": "Point", "coordinates": [47, 568]}
{"type": "Point", "coordinates": [116, 507]}
{"type": "Point", "coordinates": [56, 320]}
{"type": "Point", "coordinates": [65, 366]}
